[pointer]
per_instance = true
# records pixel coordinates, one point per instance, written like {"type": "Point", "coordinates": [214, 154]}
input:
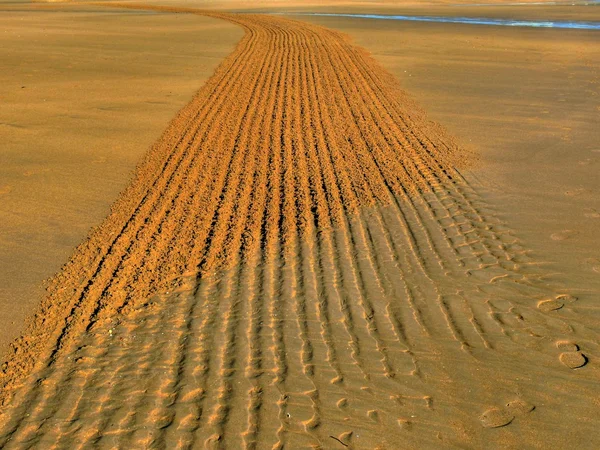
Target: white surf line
{"type": "Point", "coordinates": [578, 25]}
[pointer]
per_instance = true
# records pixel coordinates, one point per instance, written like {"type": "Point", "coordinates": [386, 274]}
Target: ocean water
{"type": "Point", "coordinates": [577, 25]}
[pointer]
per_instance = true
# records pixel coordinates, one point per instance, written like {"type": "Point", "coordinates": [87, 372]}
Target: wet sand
{"type": "Point", "coordinates": [527, 101]}
{"type": "Point", "coordinates": [85, 92]}
{"type": "Point", "coordinates": [564, 10]}
{"type": "Point", "coordinates": [305, 260]}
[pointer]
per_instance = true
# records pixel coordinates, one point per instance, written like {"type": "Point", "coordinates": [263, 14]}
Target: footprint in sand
{"type": "Point", "coordinates": [563, 235]}
{"type": "Point", "coordinates": [571, 356]}
{"type": "Point", "coordinates": [6, 189]}
{"type": "Point", "coordinates": [520, 407]}
{"type": "Point", "coordinates": [567, 346]}
{"type": "Point", "coordinates": [566, 298]}
{"type": "Point", "coordinates": [573, 360]}
{"type": "Point", "coordinates": [556, 303]}
{"type": "Point", "coordinates": [499, 417]}
{"type": "Point", "coordinates": [496, 417]}
{"type": "Point", "coordinates": [550, 305]}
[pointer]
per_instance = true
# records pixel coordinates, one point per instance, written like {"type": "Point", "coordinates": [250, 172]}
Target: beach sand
{"type": "Point", "coordinates": [304, 259]}
{"type": "Point", "coordinates": [527, 101]}
{"type": "Point", "coordinates": [85, 92]}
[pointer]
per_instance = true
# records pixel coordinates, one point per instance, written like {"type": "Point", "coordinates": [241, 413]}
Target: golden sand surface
{"type": "Point", "coordinates": [305, 260]}
{"type": "Point", "coordinates": [84, 92]}
{"type": "Point", "coordinates": [528, 102]}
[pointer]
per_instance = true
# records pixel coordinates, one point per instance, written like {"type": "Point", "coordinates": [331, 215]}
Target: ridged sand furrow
{"type": "Point", "coordinates": [334, 186]}
{"type": "Point", "coordinates": [355, 121]}
{"type": "Point", "coordinates": [320, 219]}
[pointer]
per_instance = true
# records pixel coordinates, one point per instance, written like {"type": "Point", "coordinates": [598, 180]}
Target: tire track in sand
{"type": "Point", "coordinates": [297, 263]}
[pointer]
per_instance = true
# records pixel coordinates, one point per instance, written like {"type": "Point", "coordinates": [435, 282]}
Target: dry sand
{"type": "Point", "coordinates": [300, 263]}
{"type": "Point", "coordinates": [84, 93]}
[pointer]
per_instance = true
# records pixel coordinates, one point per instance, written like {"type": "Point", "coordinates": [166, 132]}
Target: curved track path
{"type": "Point", "coordinates": [299, 264]}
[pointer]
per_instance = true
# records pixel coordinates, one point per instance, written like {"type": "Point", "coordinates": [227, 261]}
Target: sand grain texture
{"type": "Point", "coordinates": [84, 92]}
{"type": "Point", "coordinates": [299, 264]}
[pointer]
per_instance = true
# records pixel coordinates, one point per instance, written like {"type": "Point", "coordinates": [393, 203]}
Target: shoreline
{"type": "Point", "coordinates": [577, 25]}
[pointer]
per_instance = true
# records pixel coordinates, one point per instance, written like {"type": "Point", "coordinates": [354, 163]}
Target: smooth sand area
{"type": "Point", "coordinates": [84, 93]}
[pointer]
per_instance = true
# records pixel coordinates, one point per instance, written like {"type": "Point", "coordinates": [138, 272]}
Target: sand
{"type": "Point", "coordinates": [526, 10]}
{"type": "Point", "coordinates": [84, 92]}
{"type": "Point", "coordinates": [526, 101]}
{"type": "Point", "coordinates": [305, 260]}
